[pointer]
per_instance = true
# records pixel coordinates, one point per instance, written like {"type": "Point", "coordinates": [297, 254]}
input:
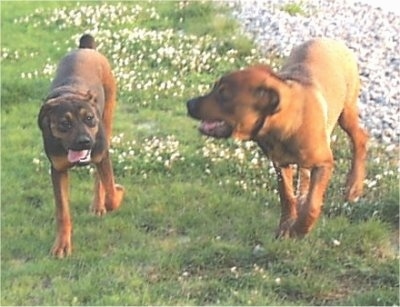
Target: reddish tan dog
{"type": "Point", "coordinates": [76, 123]}
{"type": "Point", "coordinates": [291, 115]}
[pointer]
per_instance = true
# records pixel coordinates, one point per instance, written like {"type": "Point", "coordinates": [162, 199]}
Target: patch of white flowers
{"type": "Point", "coordinates": [251, 166]}
{"type": "Point", "coordinates": [151, 153]}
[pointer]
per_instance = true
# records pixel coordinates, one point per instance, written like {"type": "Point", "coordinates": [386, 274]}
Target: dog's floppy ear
{"type": "Point", "coordinates": [268, 100]}
{"type": "Point", "coordinates": [44, 113]}
{"type": "Point", "coordinates": [44, 116]}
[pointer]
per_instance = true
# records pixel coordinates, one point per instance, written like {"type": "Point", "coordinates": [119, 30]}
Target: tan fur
{"type": "Point", "coordinates": [291, 115]}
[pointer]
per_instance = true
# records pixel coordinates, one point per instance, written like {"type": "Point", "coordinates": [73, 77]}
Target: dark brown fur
{"type": "Point", "coordinates": [291, 115]}
{"type": "Point", "coordinates": [76, 124]}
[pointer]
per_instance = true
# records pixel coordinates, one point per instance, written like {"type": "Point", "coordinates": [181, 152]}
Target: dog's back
{"type": "Point", "coordinates": [83, 68]}
{"type": "Point", "coordinates": [331, 67]}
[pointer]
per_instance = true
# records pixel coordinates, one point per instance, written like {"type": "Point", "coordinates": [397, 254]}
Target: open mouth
{"type": "Point", "coordinates": [80, 156]}
{"type": "Point", "coordinates": [216, 129]}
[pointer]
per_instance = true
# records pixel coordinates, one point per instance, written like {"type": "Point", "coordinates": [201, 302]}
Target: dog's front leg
{"type": "Point", "coordinates": [311, 209]}
{"type": "Point", "coordinates": [287, 199]}
{"type": "Point", "coordinates": [62, 246]}
{"type": "Point", "coordinates": [108, 192]}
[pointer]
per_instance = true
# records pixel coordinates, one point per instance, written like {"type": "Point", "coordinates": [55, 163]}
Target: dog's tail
{"type": "Point", "coordinates": [87, 41]}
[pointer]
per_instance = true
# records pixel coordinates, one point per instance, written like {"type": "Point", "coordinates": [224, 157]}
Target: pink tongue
{"type": "Point", "coordinates": [76, 156]}
{"type": "Point", "coordinates": [209, 125]}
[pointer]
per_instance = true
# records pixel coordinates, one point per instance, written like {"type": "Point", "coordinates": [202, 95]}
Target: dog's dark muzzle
{"type": "Point", "coordinates": [79, 152]}
{"type": "Point", "coordinates": [83, 142]}
{"type": "Point", "coordinates": [211, 127]}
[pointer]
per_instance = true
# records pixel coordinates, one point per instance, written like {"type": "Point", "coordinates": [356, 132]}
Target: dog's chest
{"type": "Point", "coordinates": [282, 153]}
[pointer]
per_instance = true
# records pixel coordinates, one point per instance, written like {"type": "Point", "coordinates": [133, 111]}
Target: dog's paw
{"type": "Point", "coordinates": [116, 201]}
{"type": "Point", "coordinates": [62, 248]}
{"type": "Point", "coordinates": [284, 229]}
{"type": "Point", "coordinates": [353, 193]}
{"type": "Point", "coordinates": [120, 189]}
{"type": "Point", "coordinates": [98, 210]}
{"type": "Point", "coordinates": [298, 230]}
{"type": "Point", "coordinates": [290, 229]}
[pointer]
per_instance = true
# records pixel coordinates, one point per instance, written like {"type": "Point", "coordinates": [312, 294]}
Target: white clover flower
{"type": "Point", "coordinates": [370, 183]}
{"type": "Point", "coordinates": [336, 242]}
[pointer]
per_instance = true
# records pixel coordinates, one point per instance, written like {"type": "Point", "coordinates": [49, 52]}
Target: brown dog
{"type": "Point", "coordinates": [291, 115]}
{"type": "Point", "coordinates": [76, 122]}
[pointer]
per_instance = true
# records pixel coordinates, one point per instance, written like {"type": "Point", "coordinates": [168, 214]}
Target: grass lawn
{"type": "Point", "coordinates": [196, 226]}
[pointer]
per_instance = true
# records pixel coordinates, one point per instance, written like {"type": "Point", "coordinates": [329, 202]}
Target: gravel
{"type": "Point", "coordinates": [373, 34]}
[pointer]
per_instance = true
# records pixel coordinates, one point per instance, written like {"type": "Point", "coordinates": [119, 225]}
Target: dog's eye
{"type": "Point", "coordinates": [65, 125]}
{"type": "Point", "coordinates": [89, 119]}
{"type": "Point", "coordinates": [223, 93]}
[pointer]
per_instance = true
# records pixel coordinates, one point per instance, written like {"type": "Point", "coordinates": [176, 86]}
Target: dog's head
{"type": "Point", "coordinates": [72, 122]}
{"type": "Point", "coordinates": [239, 104]}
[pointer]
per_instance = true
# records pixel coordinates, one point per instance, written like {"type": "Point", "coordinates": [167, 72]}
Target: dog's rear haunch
{"type": "Point", "coordinates": [76, 122]}
{"type": "Point", "coordinates": [291, 115]}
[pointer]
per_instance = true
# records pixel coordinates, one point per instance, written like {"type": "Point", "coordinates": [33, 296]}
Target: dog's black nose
{"type": "Point", "coordinates": [192, 106]}
{"type": "Point", "coordinates": [84, 141]}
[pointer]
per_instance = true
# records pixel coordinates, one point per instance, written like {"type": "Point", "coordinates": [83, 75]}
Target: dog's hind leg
{"type": "Point", "coordinates": [349, 122]}
{"type": "Point", "coordinates": [98, 204]}
{"type": "Point", "coordinates": [108, 195]}
{"type": "Point", "coordinates": [112, 193]}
